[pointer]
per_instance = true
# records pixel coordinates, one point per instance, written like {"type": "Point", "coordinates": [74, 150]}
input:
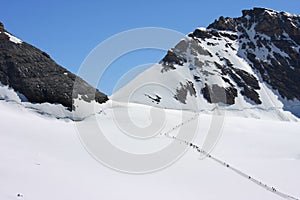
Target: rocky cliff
{"type": "Point", "coordinates": [34, 74]}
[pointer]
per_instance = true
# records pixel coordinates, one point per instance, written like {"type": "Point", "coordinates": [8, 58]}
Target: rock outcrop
{"type": "Point", "coordinates": [267, 39]}
{"type": "Point", "coordinates": [270, 41]}
{"type": "Point", "coordinates": [34, 74]}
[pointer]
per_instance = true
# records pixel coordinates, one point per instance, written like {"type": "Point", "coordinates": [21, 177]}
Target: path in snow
{"type": "Point", "coordinates": [236, 170]}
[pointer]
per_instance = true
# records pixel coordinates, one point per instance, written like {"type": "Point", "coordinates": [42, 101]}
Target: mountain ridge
{"type": "Point", "coordinates": [244, 63]}
{"type": "Point", "coordinates": [37, 77]}
{"type": "Point", "coordinates": [237, 63]}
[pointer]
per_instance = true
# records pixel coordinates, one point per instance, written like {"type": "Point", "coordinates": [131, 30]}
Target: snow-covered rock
{"type": "Point", "coordinates": [248, 64]}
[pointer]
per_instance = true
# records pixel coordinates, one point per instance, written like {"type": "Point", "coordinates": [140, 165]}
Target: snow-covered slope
{"type": "Point", "coordinates": [43, 158]}
{"type": "Point", "coordinates": [83, 108]}
{"type": "Point", "coordinates": [209, 71]}
{"type": "Point", "coordinates": [237, 66]}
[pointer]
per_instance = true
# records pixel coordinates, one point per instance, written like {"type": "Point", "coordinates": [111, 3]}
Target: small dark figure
{"type": "Point", "coordinates": [19, 195]}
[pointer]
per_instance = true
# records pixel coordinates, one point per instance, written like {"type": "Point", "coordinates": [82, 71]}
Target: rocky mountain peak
{"type": "Point", "coordinates": [266, 21]}
{"type": "Point", "coordinates": [224, 24]}
{"type": "Point", "coordinates": [234, 62]}
{"type": "Point", "coordinates": [1, 26]}
{"type": "Point", "coordinates": [272, 23]}
{"type": "Point", "coordinates": [255, 12]}
{"type": "Point", "coordinates": [270, 42]}
{"type": "Point", "coordinates": [32, 73]}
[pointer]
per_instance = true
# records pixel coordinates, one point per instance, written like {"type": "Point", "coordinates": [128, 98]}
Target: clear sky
{"type": "Point", "coordinates": [69, 30]}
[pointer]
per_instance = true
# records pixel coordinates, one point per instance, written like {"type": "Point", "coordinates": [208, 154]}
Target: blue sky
{"type": "Point", "coordinates": [69, 30]}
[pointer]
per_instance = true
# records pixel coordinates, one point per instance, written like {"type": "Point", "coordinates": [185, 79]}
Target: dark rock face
{"type": "Point", "coordinates": [155, 99]}
{"type": "Point", "coordinates": [201, 34]}
{"type": "Point", "coordinates": [1, 26]}
{"type": "Point", "coordinates": [217, 94]}
{"type": "Point", "coordinates": [247, 82]}
{"type": "Point", "coordinates": [276, 32]}
{"type": "Point", "coordinates": [169, 60]}
{"type": "Point", "coordinates": [33, 73]}
{"type": "Point", "coordinates": [223, 24]}
{"type": "Point", "coordinates": [183, 90]}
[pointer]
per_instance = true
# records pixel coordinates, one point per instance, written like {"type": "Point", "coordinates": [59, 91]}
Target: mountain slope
{"type": "Point", "coordinates": [37, 77]}
{"type": "Point", "coordinates": [43, 158]}
{"type": "Point", "coordinates": [241, 64]}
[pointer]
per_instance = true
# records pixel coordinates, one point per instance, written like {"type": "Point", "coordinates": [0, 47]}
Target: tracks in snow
{"type": "Point", "coordinates": [234, 169]}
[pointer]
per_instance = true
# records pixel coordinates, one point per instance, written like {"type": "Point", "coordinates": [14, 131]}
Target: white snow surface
{"type": "Point", "coordinates": [43, 158]}
{"type": "Point", "coordinates": [50, 110]}
{"type": "Point", "coordinates": [13, 38]}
